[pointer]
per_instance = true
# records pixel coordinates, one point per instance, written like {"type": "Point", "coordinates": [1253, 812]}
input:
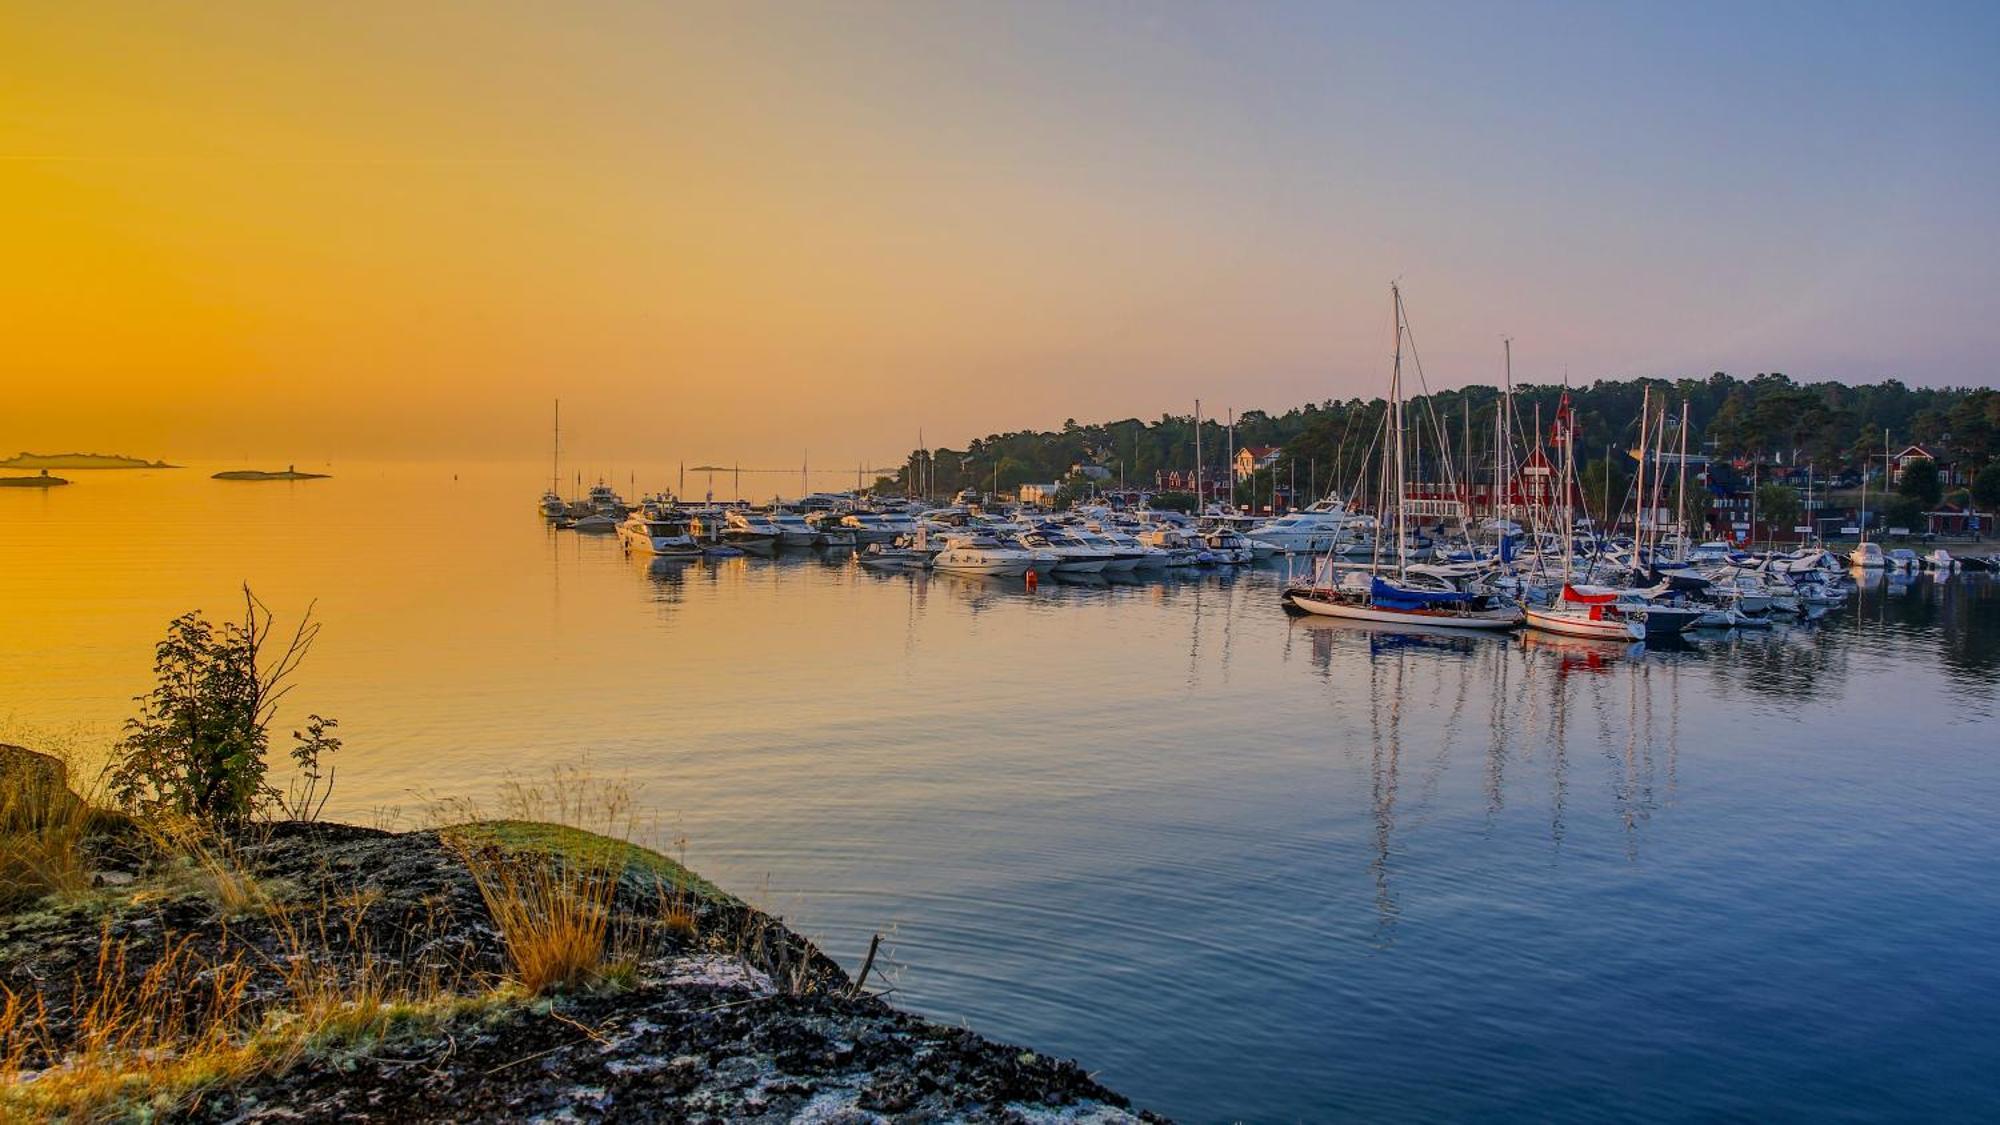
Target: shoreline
{"type": "Point", "coordinates": [380, 974]}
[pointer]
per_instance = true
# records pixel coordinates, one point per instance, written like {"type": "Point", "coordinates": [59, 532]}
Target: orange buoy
{"type": "Point", "coordinates": [1033, 579]}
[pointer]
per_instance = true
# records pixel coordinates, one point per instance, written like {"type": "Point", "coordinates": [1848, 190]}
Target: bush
{"type": "Point", "coordinates": [1173, 501]}
{"type": "Point", "coordinates": [197, 748]}
{"type": "Point", "coordinates": [1986, 487]}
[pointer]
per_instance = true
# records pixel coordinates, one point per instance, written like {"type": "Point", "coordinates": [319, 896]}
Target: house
{"type": "Point", "coordinates": [1948, 474]}
{"type": "Point", "coordinates": [1953, 520]}
{"type": "Point", "coordinates": [1042, 495]}
{"type": "Point", "coordinates": [1252, 458]}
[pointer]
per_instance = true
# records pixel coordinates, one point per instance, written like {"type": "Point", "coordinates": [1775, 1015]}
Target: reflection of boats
{"type": "Point", "coordinates": [1585, 654]}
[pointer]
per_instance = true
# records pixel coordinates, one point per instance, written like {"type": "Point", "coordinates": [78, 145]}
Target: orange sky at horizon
{"type": "Point", "coordinates": [310, 233]}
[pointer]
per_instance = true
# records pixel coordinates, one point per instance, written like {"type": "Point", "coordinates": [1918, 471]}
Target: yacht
{"type": "Point", "coordinates": [752, 531]}
{"type": "Point", "coordinates": [877, 527]}
{"type": "Point", "coordinates": [979, 553]}
{"type": "Point", "coordinates": [1228, 546]}
{"type": "Point", "coordinates": [1145, 557]}
{"type": "Point", "coordinates": [553, 506]}
{"type": "Point", "coordinates": [1313, 530]}
{"type": "Point", "coordinates": [1124, 560]}
{"type": "Point", "coordinates": [604, 501]}
{"type": "Point", "coordinates": [793, 530]}
{"type": "Point", "coordinates": [1073, 556]}
{"type": "Point", "coordinates": [653, 534]}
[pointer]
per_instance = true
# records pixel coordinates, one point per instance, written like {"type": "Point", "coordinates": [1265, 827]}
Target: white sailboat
{"type": "Point", "coordinates": [1370, 597]}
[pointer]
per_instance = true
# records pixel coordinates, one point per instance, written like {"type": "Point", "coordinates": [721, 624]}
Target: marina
{"type": "Point", "coordinates": [1489, 854]}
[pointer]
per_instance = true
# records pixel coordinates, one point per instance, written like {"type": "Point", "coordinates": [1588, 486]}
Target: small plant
{"type": "Point", "coordinates": [198, 746]}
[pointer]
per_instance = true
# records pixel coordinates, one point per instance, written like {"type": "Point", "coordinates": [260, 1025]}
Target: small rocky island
{"type": "Point", "coordinates": [26, 460]}
{"type": "Point", "coordinates": [483, 971]}
{"type": "Point", "coordinates": [289, 472]}
{"type": "Point", "coordinates": [40, 480]}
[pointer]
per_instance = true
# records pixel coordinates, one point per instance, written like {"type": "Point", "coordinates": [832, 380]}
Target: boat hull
{"type": "Point", "coordinates": [1599, 629]}
{"type": "Point", "coordinates": [1428, 619]}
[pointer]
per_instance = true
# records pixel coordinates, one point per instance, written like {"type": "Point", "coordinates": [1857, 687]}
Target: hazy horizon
{"type": "Point", "coordinates": [737, 233]}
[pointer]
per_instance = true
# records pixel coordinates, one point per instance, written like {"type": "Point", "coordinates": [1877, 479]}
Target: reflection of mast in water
{"type": "Point", "coordinates": [1496, 746]}
{"type": "Point", "coordinates": [1384, 755]}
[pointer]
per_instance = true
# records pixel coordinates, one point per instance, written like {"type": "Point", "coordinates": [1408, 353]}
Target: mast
{"type": "Point", "coordinates": [1680, 500]}
{"type": "Point", "coordinates": [555, 458]}
{"type": "Point", "coordinates": [1396, 403]}
{"type": "Point", "coordinates": [1639, 511]}
{"type": "Point", "coordinates": [1232, 459]}
{"type": "Point", "coordinates": [1197, 461]}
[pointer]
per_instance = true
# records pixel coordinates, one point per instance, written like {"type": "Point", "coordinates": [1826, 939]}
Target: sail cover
{"type": "Point", "coordinates": [1590, 595]}
{"type": "Point", "coordinates": [1387, 595]}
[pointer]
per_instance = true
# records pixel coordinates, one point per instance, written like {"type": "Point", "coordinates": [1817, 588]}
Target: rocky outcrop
{"type": "Point", "coordinates": [723, 1015]}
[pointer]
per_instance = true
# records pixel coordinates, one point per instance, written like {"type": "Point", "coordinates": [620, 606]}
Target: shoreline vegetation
{"type": "Point", "coordinates": [26, 460]}
{"type": "Point", "coordinates": [181, 939]}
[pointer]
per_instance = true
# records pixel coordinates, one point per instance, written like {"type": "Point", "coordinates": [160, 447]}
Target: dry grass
{"type": "Point", "coordinates": [554, 906]}
{"type": "Point", "coordinates": [43, 825]}
{"type": "Point", "coordinates": [210, 862]}
{"type": "Point", "coordinates": [132, 1046]}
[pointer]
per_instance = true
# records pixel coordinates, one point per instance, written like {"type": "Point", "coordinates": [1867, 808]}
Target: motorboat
{"type": "Point", "coordinates": [878, 527]}
{"type": "Point", "coordinates": [1903, 559]}
{"type": "Point", "coordinates": [980, 553]}
{"type": "Point", "coordinates": [1228, 546]}
{"type": "Point", "coordinates": [1867, 556]}
{"type": "Point", "coordinates": [1590, 611]}
{"type": "Point", "coordinates": [793, 530]}
{"type": "Point", "coordinates": [1073, 556]}
{"type": "Point", "coordinates": [552, 505]}
{"type": "Point", "coordinates": [595, 522]}
{"type": "Point", "coordinates": [1315, 530]}
{"type": "Point", "coordinates": [654, 534]}
{"type": "Point", "coordinates": [752, 531]}
{"type": "Point", "coordinates": [1940, 559]}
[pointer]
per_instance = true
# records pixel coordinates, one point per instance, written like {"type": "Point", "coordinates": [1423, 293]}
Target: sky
{"type": "Point", "coordinates": [745, 231]}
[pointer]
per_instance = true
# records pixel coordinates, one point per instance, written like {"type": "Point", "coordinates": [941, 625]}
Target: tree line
{"type": "Point", "coordinates": [1334, 445]}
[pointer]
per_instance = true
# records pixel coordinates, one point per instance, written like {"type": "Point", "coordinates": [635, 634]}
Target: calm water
{"type": "Point", "coordinates": [1242, 866]}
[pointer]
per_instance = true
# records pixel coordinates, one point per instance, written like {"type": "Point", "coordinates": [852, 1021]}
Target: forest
{"type": "Point", "coordinates": [1329, 446]}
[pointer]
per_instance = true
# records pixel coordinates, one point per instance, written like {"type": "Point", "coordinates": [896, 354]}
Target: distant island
{"type": "Point", "coordinates": [26, 460]}
{"type": "Point", "coordinates": [44, 480]}
{"type": "Point", "coordinates": [289, 472]}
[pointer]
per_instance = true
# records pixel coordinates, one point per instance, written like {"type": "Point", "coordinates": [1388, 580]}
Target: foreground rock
{"type": "Point", "coordinates": [722, 1014]}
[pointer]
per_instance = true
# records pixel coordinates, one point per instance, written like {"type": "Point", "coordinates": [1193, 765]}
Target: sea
{"type": "Point", "coordinates": [1242, 866]}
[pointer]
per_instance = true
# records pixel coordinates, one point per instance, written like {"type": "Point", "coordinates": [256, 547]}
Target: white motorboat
{"type": "Point", "coordinates": [1589, 611]}
{"type": "Point", "coordinates": [979, 553]}
{"type": "Point", "coordinates": [1124, 560]}
{"type": "Point", "coordinates": [1315, 530]}
{"type": "Point", "coordinates": [1227, 546]}
{"type": "Point", "coordinates": [1128, 546]}
{"type": "Point", "coordinates": [752, 531]}
{"type": "Point", "coordinates": [1940, 559]}
{"type": "Point", "coordinates": [1072, 555]}
{"type": "Point", "coordinates": [878, 527]}
{"type": "Point", "coordinates": [1903, 559]}
{"type": "Point", "coordinates": [1867, 556]}
{"type": "Point", "coordinates": [793, 530]}
{"type": "Point", "coordinates": [654, 534]}
{"type": "Point", "coordinates": [595, 521]}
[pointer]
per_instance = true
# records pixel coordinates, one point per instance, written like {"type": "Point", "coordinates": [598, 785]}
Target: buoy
{"type": "Point", "coordinates": [1033, 579]}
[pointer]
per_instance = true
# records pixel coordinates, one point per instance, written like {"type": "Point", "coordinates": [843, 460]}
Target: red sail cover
{"type": "Point", "coordinates": [1589, 595]}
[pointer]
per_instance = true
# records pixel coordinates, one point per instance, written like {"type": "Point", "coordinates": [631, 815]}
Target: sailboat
{"type": "Point", "coordinates": [552, 502]}
{"type": "Point", "coordinates": [1582, 611]}
{"type": "Point", "coordinates": [1427, 601]}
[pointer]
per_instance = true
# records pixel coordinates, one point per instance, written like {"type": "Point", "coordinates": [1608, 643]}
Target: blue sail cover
{"type": "Point", "coordinates": [1390, 596]}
